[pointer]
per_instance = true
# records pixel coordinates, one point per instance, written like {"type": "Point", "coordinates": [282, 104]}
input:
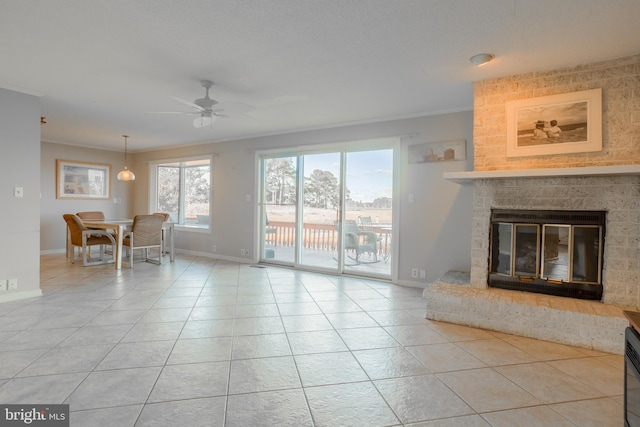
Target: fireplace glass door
{"type": "Point", "coordinates": [502, 247]}
{"type": "Point", "coordinates": [526, 241]}
{"type": "Point", "coordinates": [515, 249]}
{"type": "Point", "coordinates": [556, 244]}
{"type": "Point", "coordinates": [572, 253]}
{"type": "Point", "coordinates": [551, 252]}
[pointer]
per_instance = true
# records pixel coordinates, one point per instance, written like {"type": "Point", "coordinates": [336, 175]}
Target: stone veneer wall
{"type": "Point", "coordinates": [618, 195]}
{"type": "Point", "coordinates": [620, 83]}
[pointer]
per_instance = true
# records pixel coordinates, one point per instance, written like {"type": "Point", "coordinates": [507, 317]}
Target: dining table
{"type": "Point", "coordinates": [120, 226]}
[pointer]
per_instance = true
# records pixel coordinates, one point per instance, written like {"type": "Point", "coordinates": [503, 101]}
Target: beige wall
{"type": "Point", "coordinates": [620, 83]}
{"type": "Point", "coordinates": [434, 231]}
{"type": "Point", "coordinates": [52, 236]}
{"type": "Point", "coordinates": [19, 217]}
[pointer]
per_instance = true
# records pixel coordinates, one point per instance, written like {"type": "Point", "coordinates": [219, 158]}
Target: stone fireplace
{"type": "Point", "coordinates": [605, 181]}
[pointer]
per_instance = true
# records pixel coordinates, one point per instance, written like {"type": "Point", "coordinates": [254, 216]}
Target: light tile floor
{"type": "Point", "coordinates": [201, 342]}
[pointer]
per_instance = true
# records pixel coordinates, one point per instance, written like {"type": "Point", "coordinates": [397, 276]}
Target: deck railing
{"type": "Point", "coordinates": [319, 236]}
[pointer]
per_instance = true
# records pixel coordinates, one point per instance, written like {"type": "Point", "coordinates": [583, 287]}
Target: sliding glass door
{"type": "Point", "coordinates": [329, 210]}
{"type": "Point", "coordinates": [279, 214]}
{"type": "Point", "coordinates": [320, 210]}
{"type": "Point", "coordinates": [368, 204]}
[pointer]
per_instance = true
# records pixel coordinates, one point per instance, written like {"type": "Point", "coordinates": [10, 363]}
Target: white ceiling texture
{"type": "Point", "coordinates": [102, 67]}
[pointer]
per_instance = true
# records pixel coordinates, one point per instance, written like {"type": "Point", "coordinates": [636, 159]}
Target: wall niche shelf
{"type": "Point", "coordinates": [467, 177]}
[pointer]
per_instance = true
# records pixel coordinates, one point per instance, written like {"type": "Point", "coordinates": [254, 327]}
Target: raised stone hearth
{"type": "Point", "coordinates": [580, 323]}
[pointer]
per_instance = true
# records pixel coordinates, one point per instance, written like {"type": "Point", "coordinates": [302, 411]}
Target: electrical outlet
{"type": "Point", "coordinates": [414, 273]}
{"type": "Point", "coordinates": [214, 248]}
{"type": "Point", "coordinates": [3, 285]}
{"type": "Point", "coordinates": [243, 252]}
{"type": "Point", "coordinates": [423, 274]}
{"type": "Point", "coordinates": [12, 284]}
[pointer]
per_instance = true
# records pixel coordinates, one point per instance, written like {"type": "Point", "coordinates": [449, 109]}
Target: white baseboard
{"type": "Point", "coordinates": [53, 251]}
{"type": "Point", "coordinates": [15, 296]}
{"type": "Point", "coordinates": [412, 284]}
{"type": "Point", "coordinates": [216, 256]}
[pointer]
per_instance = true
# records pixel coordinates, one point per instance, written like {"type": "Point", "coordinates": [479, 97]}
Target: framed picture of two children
{"type": "Point", "coordinates": [555, 124]}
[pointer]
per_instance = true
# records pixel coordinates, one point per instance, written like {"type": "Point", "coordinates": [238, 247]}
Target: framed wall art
{"type": "Point", "coordinates": [438, 151]}
{"type": "Point", "coordinates": [555, 124]}
{"type": "Point", "coordinates": [82, 180]}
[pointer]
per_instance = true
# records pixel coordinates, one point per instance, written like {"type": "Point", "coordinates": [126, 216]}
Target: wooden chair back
{"type": "Point", "coordinates": [75, 228]}
{"type": "Point", "coordinates": [91, 215]}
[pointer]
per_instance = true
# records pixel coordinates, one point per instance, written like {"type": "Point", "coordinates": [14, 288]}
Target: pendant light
{"type": "Point", "coordinates": [125, 174]}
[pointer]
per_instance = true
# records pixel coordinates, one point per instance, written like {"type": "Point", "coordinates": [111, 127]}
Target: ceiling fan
{"type": "Point", "coordinates": [209, 110]}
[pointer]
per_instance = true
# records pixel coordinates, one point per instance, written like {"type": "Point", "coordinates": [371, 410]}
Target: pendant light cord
{"type": "Point", "coordinates": [125, 149]}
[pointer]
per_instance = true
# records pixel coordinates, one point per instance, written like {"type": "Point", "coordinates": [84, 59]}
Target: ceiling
{"type": "Point", "coordinates": [103, 67]}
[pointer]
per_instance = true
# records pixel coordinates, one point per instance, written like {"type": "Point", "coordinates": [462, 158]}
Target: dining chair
{"type": "Point", "coordinates": [166, 217]}
{"type": "Point", "coordinates": [83, 237]}
{"type": "Point", "coordinates": [92, 216]}
{"type": "Point", "coordinates": [145, 234]}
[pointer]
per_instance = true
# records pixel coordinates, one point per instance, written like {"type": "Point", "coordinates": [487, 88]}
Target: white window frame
{"type": "Point", "coordinates": [153, 189]}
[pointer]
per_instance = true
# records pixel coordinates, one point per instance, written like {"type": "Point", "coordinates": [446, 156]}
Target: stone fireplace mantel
{"type": "Point", "coordinates": [467, 177]}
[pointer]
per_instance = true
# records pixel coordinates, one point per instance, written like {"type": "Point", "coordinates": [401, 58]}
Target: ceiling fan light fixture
{"type": "Point", "coordinates": [205, 119]}
{"type": "Point", "coordinates": [125, 174]}
{"type": "Point", "coordinates": [482, 58]}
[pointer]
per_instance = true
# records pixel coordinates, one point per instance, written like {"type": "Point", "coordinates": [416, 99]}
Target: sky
{"type": "Point", "coordinates": [565, 114]}
{"type": "Point", "coordinates": [369, 173]}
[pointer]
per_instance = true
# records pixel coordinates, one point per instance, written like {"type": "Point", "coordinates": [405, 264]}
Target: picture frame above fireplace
{"type": "Point", "coordinates": [555, 124]}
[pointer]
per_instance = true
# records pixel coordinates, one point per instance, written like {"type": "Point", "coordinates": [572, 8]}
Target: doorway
{"type": "Point", "coordinates": [329, 210]}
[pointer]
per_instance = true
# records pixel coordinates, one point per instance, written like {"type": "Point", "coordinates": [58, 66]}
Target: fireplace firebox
{"type": "Point", "coordinates": [550, 252]}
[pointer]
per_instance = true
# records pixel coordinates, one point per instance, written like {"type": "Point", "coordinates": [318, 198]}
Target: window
{"type": "Point", "coordinates": [183, 188]}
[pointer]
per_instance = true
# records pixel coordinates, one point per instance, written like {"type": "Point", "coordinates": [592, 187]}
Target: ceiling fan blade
{"type": "Point", "coordinates": [246, 119]}
{"type": "Point", "coordinates": [232, 108]}
{"type": "Point", "coordinates": [171, 112]}
{"type": "Point", "coordinates": [187, 103]}
{"type": "Point", "coordinates": [243, 119]}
